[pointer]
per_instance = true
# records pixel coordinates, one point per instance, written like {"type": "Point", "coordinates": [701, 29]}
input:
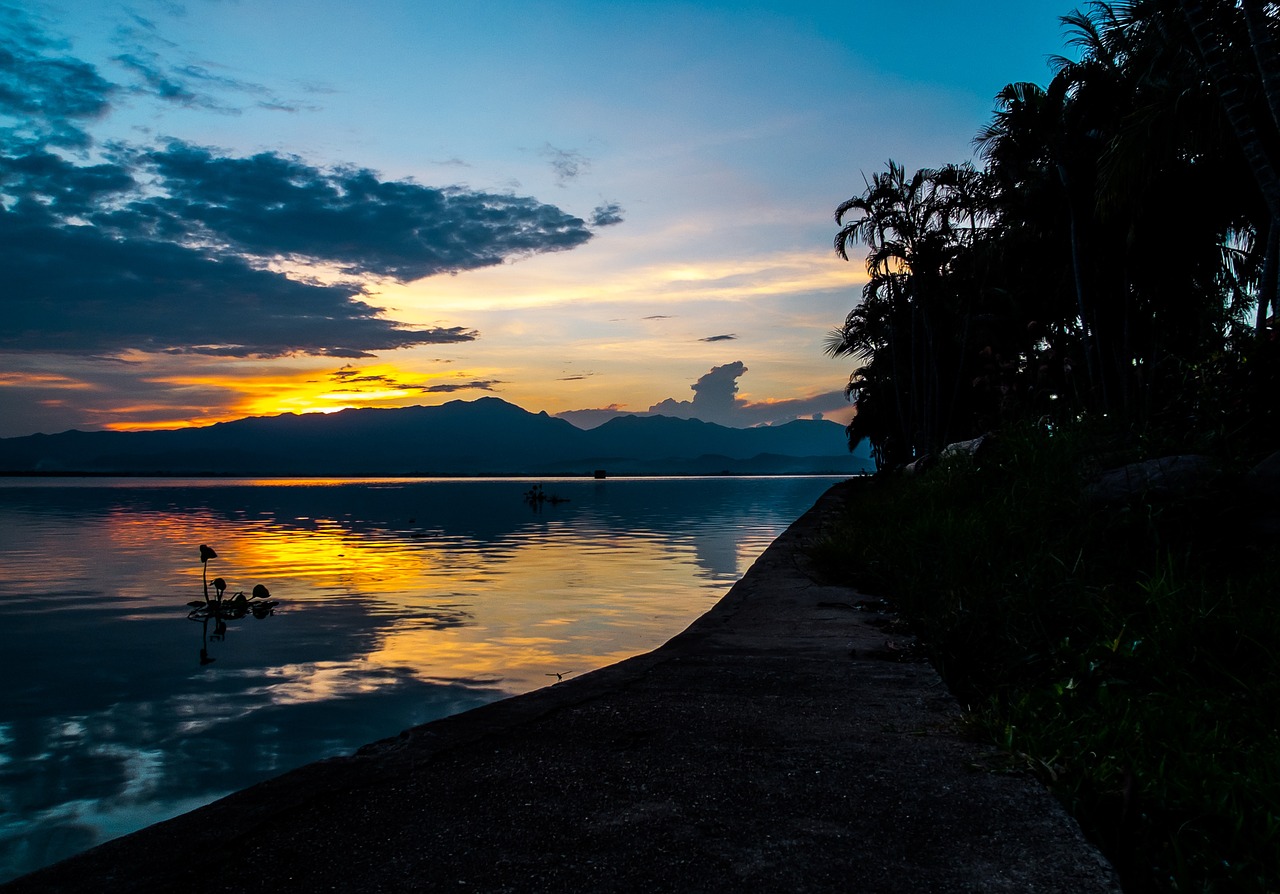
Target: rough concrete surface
{"type": "Point", "coordinates": [769, 747]}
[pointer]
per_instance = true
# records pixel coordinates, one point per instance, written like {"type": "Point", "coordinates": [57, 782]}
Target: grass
{"type": "Point", "coordinates": [1127, 654]}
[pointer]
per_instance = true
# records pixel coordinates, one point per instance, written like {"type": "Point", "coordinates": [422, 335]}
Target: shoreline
{"type": "Point", "coordinates": [460, 476]}
{"type": "Point", "coordinates": [769, 745]}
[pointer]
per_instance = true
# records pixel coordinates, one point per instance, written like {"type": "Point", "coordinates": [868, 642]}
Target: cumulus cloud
{"type": "Point", "coordinates": [714, 396]}
{"type": "Point", "coordinates": [78, 290]}
{"type": "Point", "coordinates": [271, 205]}
{"type": "Point", "coordinates": [715, 399]}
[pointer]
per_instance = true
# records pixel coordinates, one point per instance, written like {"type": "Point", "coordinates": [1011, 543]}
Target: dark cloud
{"type": "Point", "coordinates": [659, 317]}
{"type": "Point", "coordinates": [139, 22]}
{"type": "Point", "coordinates": [287, 105]}
{"type": "Point", "coordinates": [46, 97]}
{"type": "Point", "coordinates": [76, 290]}
{"type": "Point", "coordinates": [145, 59]}
{"type": "Point", "coordinates": [354, 377]}
{"type": "Point", "coordinates": [180, 249]}
{"type": "Point", "coordinates": [44, 183]}
{"type": "Point", "coordinates": [606, 215]}
{"type": "Point", "coordinates": [169, 84]}
{"type": "Point", "coordinates": [565, 163]}
{"type": "Point", "coordinates": [276, 206]}
{"type": "Point", "coordinates": [729, 337]}
{"type": "Point", "coordinates": [451, 387]}
{"type": "Point", "coordinates": [53, 394]}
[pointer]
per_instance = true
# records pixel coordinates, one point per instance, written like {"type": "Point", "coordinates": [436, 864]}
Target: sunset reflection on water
{"type": "Point", "coordinates": [399, 602]}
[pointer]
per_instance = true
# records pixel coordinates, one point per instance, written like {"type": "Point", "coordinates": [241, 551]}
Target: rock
{"type": "Point", "coordinates": [1266, 475]}
{"type": "Point", "coordinates": [971, 448]}
{"type": "Point", "coordinates": [1164, 478]}
{"type": "Point", "coordinates": [920, 465]}
{"type": "Point", "coordinates": [966, 448]}
{"type": "Point", "coordinates": [1263, 487]}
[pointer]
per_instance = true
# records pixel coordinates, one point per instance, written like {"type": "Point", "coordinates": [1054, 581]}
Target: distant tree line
{"type": "Point", "coordinates": [1116, 254]}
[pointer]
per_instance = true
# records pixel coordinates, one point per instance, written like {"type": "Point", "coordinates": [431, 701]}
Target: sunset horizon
{"type": "Point", "coordinates": [643, 445]}
{"type": "Point", "coordinates": [205, 219]}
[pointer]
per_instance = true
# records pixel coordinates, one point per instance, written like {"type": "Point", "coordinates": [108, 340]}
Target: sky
{"type": "Point", "coordinates": [212, 209]}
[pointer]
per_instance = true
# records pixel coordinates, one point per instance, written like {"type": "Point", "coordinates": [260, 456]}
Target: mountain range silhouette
{"type": "Point", "coordinates": [488, 436]}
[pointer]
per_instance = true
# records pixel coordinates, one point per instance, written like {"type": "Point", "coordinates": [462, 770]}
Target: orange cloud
{"type": "Point", "coordinates": [299, 390]}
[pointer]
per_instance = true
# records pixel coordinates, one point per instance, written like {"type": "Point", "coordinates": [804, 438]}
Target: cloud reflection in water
{"type": "Point", "coordinates": [399, 602]}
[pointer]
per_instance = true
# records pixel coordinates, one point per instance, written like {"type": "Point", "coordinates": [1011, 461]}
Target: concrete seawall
{"type": "Point", "coordinates": [769, 747]}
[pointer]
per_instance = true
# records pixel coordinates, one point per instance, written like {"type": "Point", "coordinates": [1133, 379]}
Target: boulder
{"type": "Point", "coordinates": [1168, 477]}
{"type": "Point", "coordinates": [1263, 484]}
{"type": "Point", "coordinates": [920, 465]}
{"type": "Point", "coordinates": [972, 447]}
{"type": "Point", "coordinates": [1265, 476]}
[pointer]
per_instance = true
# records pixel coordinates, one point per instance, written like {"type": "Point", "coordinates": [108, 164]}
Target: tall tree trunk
{"type": "Point", "coordinates": [1077, 267]}
{"type": "Point", "coordinates": [913, 432]}
{"type": "Point", "coordinates": [961, 355]}
{"type": "Point", "coordinates": [895, 360]}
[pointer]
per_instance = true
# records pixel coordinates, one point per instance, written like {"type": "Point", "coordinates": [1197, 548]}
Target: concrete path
{"type": "Point", "coordinates": [772, 746]}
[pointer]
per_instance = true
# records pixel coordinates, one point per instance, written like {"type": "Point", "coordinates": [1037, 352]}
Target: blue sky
{"type": "Point", "coordinates": [216, 209]}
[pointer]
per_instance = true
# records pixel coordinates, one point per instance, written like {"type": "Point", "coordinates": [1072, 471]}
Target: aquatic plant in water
{"type": "Point", "coordinates": [536, 496]}
{"type": "Point", "coordinates": [219, 610]}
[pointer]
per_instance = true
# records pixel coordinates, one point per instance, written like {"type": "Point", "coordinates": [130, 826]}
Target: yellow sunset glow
{"type": "Point", "coordinates": [551, 338]}
{"type": "Point", "coordinates": [162, 424]}
{"type": "Point", "coordinates": [313, 385]}
{"type": "Point", "coordinates": [426, 594]}
{"type": "Point", "coordinates": [537, 283]}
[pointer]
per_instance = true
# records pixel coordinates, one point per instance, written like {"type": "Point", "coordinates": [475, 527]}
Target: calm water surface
{"type": "Point", "coordinates": [399, 602]}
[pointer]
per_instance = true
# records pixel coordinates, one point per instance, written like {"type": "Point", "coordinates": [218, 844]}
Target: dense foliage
{"type": "Point", "coordinates": [1101, 290]}
{"type": "Point", "coordinates": [1117, 251]}
{"type": "Point", "coordinates": [1129, 654]}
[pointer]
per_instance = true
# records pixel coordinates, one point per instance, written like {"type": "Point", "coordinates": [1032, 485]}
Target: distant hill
{"type": "Point", "coordinates": [483, 437]}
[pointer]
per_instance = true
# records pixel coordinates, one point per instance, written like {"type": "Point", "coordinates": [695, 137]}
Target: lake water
{"type": "Point", "coordinates": [399, 602]}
